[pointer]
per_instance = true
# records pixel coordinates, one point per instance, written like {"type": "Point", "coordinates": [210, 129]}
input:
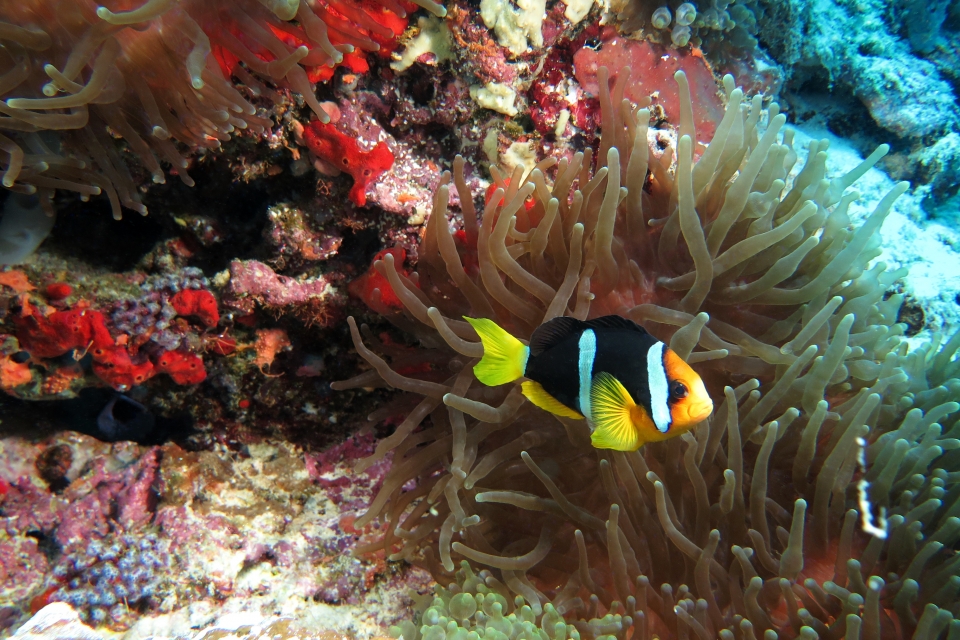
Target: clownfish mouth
{"type": "Point", "coordinates": [699, 410]}
{"type": "Point", "coordinates": [692, 411]}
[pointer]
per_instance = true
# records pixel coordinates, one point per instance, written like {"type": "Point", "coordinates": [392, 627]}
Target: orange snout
{"type": "Point", "coordinates": [695, 408]}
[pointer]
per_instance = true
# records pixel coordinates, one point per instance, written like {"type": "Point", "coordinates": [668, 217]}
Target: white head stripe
{"type": "Point", "coordinates": [659, 388]}
{"type": "Point", "coordinates": [588, 352]}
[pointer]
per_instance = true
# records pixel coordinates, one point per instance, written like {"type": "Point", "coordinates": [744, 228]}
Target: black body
{"type": "Point", "coordinates": [622, 347]}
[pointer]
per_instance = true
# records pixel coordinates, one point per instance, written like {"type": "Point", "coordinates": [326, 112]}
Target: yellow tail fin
{"type": "Point", "coordinates": [504, 357]}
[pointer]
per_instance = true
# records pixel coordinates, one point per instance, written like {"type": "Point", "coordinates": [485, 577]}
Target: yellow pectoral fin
{"type": "Point", "coordinates": [612, 410]}
{"type": "Point", "coordinates": [536, 394]}
{"type": "Point", "coordinates": [504, 357]}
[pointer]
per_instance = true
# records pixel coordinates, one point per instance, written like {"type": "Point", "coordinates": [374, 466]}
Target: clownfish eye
{"type": "Point", "coordinates": [678, 390]}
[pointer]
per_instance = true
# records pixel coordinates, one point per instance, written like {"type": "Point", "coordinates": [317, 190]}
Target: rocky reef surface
{"type": "Point", "coordinates": [173, 459]}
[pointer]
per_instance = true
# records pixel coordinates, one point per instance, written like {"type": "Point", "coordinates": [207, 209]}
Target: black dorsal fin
{"type": "Point", "coordinates": [615, 322]}
{"type": "Point", "coordinates": [550, 333]}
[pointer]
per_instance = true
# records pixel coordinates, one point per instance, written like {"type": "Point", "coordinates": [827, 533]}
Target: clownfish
{"type": "Point", "coordinates": [630, 387]}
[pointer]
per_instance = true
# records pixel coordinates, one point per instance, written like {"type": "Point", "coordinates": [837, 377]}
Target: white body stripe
{"type": "Point", "coordinates": [587, 354]}
{"type": "Point", "coordinates": [526, 359]}
{"type": "Point", "coordinates": [659, 388]}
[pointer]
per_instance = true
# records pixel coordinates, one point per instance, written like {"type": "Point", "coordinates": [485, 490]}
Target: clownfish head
{"type": "Point", "coordinates": [688, 399]}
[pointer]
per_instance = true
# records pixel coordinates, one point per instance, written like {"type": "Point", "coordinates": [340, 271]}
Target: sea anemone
{"type": "Point", "coordinates": [821, 499]}
{"type": "Point", "coordinates": [156, 75]}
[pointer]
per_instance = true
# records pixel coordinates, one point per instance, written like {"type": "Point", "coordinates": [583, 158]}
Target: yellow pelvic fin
{"type": "Point", "coordinates": [612, 411]}
{"type": "Point", "coordinates": [504, 357]}
{"type": "Point", "coordinates": [536, 394]}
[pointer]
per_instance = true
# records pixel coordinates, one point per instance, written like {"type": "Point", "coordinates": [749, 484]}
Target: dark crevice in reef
{"type": "Point", "coordinates": [47, 545]}
{"type": "Point", "coordinates": [40, 419]}
{"type": "Point", "coordinates": [235, 209]}
{"type": "Point", "coordinates": [357, 249]}
{"type": "Point", "coordinates": [88, 232]}
{"type": "Point", "coordinates": [230, 200]}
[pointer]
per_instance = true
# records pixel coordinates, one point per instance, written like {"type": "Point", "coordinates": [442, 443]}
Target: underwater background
{"type": "Point", "coordinates": [239, 238]}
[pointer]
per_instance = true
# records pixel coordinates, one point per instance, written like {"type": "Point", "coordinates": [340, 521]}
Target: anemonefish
{"type": "Point", "coordinates": [630, 387]}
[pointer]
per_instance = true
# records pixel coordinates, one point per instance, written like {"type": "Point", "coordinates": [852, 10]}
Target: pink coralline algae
{"type": "Point", "coordinates": [324, 468]}
{"type": "Point", "coordinates": [22, 566]}
{"type": "Point", "coordinates": [98, 491]}
{"type": "Point", "coordinates": [134, 527]}
{"type": "Point", "coordinates": [294, 239]}
{"type": "Point", "coordinates": [275, 512]}
{"type": "Point", "coordinates": [450, 105]}
{"type": "Point", "coordinates": [486, 59]}
{"type": "Point", "coordinates": [252, 283]}
{"type": "Point", "coordinates": [107, 487]}
{"type": "Point", "coordinates": [107, 497]}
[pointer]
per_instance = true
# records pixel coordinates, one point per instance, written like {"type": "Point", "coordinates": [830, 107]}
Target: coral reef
{"type": "Point", "coordinates": [253, 282]}
{"type": "Point", "coordinates": [60, 621]}
{"type": "Point", "coordinates": [159, 74]}
{"type": "Point", "coordinates": [157, 334]}
{"type": "Point", "coordinates": [188, 429]}
{"type": "Point", "coordinates": [884, 71]}
{"type": "Point", "coordinates": [167, 537]}
{"type": "Point", "coordinates": [866, 72]}
{"type": "Point", "coordinates": [752, 524]}
{"type": "Point", "coordinates": [164, 299]}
